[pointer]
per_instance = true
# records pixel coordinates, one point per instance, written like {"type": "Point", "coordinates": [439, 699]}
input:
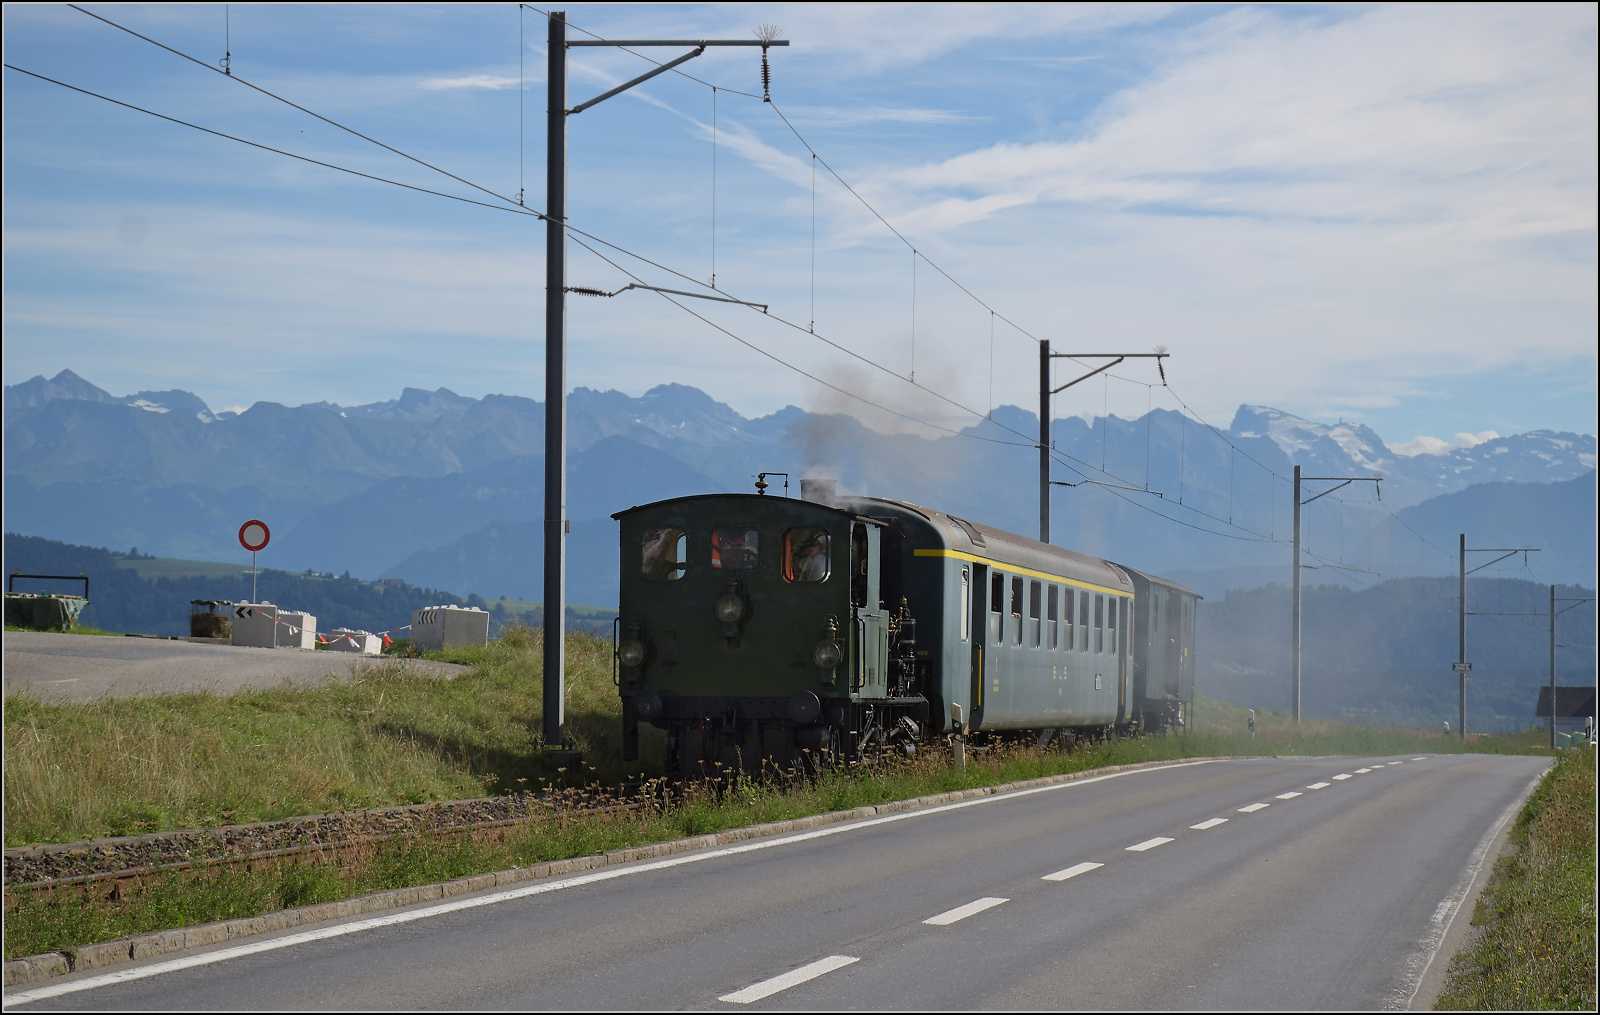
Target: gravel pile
{"type": "Point", "coordinates": [137, 852]}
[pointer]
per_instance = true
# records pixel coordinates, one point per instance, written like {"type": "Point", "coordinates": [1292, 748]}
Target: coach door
{"type": "Point", "coordinates": [977, 607]}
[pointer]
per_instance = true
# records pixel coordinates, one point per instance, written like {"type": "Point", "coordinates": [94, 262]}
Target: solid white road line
{"type": "Point", "coordinates": [1253, 808]}
{"type": "Point", "coordinates": [357, 926]}
{"type": "Point", "coordinates": [1342, 776]}
{"type": "Point", "coordinates": [1418, 963]}
{"type": "Point", "coordinates": [1140, 847]}
{"type": "Point", "coordinates": [793, 978]}
{"type": "Point", "coordinates": [1072, 872]}
{"type": "Point", "coordinates": [1210, 823]}
{"type": "Point", "coordinates": [962, 912]}
{"type": "Point", "coordinates": [1288, 796]}
{"type": "Point", "coordinates": [1319, 785]}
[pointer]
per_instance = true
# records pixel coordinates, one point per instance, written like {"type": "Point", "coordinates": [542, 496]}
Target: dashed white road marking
{"type": "Point", "coordinates": [1319, 785]}
{"type": "Point", "coordinates": [1140, 847]}
{"type": "Point", "coordinates": [1211, 823]}
{"type": "Point", "coordinates": [962, 912]}
{"type": "Point", "coordinates": [793, 978]}
{"type": "Point", "coordinates": [1363, 771]}
{"type": "Point", "coordinates": [1072, 872]}
{"type": "Point", "coordinates": [1419, 759]}
{"type": "Point", "coordinates": [1400, 762]}
{"type": "Point", "coordinates": [1253, 808]}
{"type": "Point", "coordinates": [1288, 796]}
{"type": "Point", "coordinates": [1342, 776]}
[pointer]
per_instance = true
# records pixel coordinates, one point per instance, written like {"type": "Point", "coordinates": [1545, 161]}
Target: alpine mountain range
{"type": "Point", "coordinates": [446, 491]}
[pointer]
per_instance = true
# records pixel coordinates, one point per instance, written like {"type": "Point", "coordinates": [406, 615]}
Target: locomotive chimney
{"type": "Point", "coordinates": [819, 491]}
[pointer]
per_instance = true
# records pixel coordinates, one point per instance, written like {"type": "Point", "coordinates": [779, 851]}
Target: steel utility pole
{"type": "Point", "coordinates": [1576, 601]}
{"type": "Point", "coordinates": [1045, 391]}
{"type": "Point", "coordinates": [1462, 667]}
{"type": "Point", "coordinates": [555, 336]}
{"type": "Point", "coordinates": [1294, 640]}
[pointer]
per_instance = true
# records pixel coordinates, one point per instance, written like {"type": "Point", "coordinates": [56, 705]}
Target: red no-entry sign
{"type": "Point", "coordinates": [254, 535]}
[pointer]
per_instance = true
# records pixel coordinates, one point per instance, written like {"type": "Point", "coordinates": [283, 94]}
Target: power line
{"type": "Point", "coordinates": [277, 151]}
{"type": "Point", "coordinates": [288, 102]}
{"type": "Point", "coordinates": [1061, 457]}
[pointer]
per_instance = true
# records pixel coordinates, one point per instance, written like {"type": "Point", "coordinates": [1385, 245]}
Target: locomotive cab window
{"type": "Point", "coordinates": [735, 549]}
{"type": "Point", "coordinates": [664, 553]}
{"type": "Point", "coordinates": [806, 555]}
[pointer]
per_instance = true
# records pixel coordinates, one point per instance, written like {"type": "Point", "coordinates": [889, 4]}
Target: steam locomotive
{"type": "Point", "coordinates": [763, 630]}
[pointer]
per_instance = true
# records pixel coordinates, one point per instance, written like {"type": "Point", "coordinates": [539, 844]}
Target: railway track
{"type": "Point", "coordinates": [328, 836]}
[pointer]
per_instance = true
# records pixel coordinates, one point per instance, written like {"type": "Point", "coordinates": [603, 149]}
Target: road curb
{"type": "Point", "coordinates": [104, 954]}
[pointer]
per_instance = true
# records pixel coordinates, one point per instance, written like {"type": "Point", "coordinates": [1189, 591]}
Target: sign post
{"type": "Point", "coordinates": [254, 536]}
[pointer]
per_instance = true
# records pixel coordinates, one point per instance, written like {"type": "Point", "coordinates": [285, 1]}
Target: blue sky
{"type": "Point", "coordinates": [1368, 212]}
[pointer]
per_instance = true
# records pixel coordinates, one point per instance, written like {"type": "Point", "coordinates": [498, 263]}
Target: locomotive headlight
{"type": "Point", "coordinates": [631, 652]}
{"type": "Point", "coordinates": [730, 608]}
{"type": "Point", "coordinates": [826, 655]}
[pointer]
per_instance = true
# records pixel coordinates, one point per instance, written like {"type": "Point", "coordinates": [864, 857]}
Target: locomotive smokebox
{"type": "Point", "coordinates": [820, 491]}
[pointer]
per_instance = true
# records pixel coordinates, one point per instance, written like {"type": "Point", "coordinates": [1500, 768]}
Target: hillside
{"type": "Point", "coordinates": [1383, 654]}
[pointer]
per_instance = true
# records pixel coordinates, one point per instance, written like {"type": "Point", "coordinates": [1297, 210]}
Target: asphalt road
{"type": "Point", "coordinates": [1228, 885]}
{"type": "Point", "coordinates": [56, 667]}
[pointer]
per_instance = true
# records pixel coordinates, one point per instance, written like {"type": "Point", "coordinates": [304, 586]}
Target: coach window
{"type": "Point", "coordinates": [1127, 626]}
{"type": "Point", "coordinates": [1099, 624]}
{"type": "Point", "coordinates": [1035, 607]}
{"type": "Point", "coordinates": [1016, 609]}
{"type": "Point", "coordinates": [966, 603]}
{"type": "Point", "coordinates": [735, 549]}
{"type": "Point", "coordinates": [664, 553]}
{"type": "Point", "coordinates": [997, 606]}
{"type": "Point", "coordinates": [806, 555]}
{"type": "Point", "coordinates": [1071, 618]}
{"type": "Point", "coordinates": [1111, 625]}
{"type": "Point", "coordinates": [1052, 637]}
{"type": "Point", "coordinates": [1083, 621]}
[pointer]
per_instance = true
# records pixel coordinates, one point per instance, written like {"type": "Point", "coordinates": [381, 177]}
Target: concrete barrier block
{"type": "Point", "coordinates": [106, 953]}
{"type": "Point", "coordinates": [159, 942]}
{"type": "Point", "coordinates": [36, 967]}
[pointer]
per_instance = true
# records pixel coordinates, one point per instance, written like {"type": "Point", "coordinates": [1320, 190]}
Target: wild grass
{"type": "Point", "coordinates": [122, 766]}
{"type": "Point", "coordinates": [75, 629]}
{"type": "Point", "coordinates": [1536, 948]}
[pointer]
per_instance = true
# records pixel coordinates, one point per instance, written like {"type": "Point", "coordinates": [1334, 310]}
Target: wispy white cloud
{"type": "Point", "coordinates": [1434, 446]}
{"type": "Point", "coordinates": [841, 117]}
{"type": "Point", "coordinates": [486, 81]}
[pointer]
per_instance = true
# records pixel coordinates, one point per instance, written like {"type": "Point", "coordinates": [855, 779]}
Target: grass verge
{"type": "Point", "coordinates": [392, 734]}
{"type": "Point", "coordinates": [76, 629]}
{"type": "Point", "coordinates": [1536, 949]}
